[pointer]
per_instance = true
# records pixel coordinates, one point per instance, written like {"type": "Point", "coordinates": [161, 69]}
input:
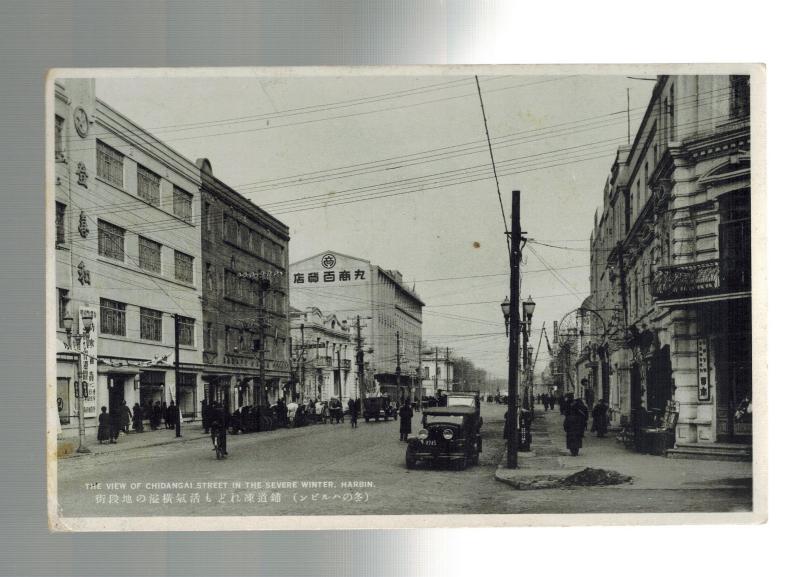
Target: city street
{"type": "Point", "coordinates": [357, 471]}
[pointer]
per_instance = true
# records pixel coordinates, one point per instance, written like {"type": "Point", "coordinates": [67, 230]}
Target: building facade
{"type": "Point", "coordinates": [437, 371]}
{"type": "Point", "coordinates": [127, 254]}
{"type": "Point", "coordinates": [670, 261]}
{"type": "Point", "coordinates": [245, 254]}
{"type": "Point", "coordinates": [322, 356]}
{"type": "Point", "coordinates": [388, 311]}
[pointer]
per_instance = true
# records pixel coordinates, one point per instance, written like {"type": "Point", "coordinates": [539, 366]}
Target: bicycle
{"type": "Point", "coordinates": [219, 449]}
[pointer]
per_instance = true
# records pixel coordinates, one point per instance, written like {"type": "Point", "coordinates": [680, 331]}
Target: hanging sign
{"type": "Point", "coordinates": [87, 371]}
{"type": "Point", "coordinates": [703, 376]}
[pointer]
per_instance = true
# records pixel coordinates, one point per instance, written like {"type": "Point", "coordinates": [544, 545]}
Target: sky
{"type": "Point", "coordinates": [396, 169]}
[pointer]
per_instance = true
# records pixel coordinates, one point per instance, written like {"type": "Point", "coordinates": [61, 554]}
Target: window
{"type": "Point", "coordinates": [59, 144]}
{"type": "Point", "coordinates": [181, 203]}
{"type": "Point", "coordinates": [150, 324]}
{"type": "Point", "coordinates": [149, 255]}
{"type": "Point", "coordinates": [186, 331]}
{"type": "Point", "coordinates": [230, 229]}
{"type": "Point", "coordinates": [109, 164]}
{"type": "Point", "coordinates": [110, 240]}
{"type": "Point", "coordinates": [184, 267]}
{"type": "Point", "coordinates": [61, 210]}
{"type": "Point", "coordinates": [63, 304]}
{"type": "Point", "coordinates": [672, 112]}
{"type": "Point", "coordinates": [148, 185]}
{"type": "Point", "coordinates": [735, 240]}
{"type": "Point", "coordinates": [740, 96]}
{"type": "Point", "coordinates": [112, 317]}
{"type": "Point", "coordinates": [207, 215]}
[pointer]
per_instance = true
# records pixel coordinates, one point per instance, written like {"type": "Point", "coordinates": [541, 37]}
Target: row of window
{"type": "Point", "coordinates": [113, 322]}
{"type": "Point", "coordinates": [110, 167]}
{"type": "Point", "coordinates": [249, 240]}
{"type": "Point", "coordinates": [111, 244]}
{"type": "Point", "coordinates": [238, 340]}
{"type": "Point", "coordinates": [248, 291]}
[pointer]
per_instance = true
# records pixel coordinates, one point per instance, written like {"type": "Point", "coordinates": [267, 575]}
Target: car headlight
{"type": "Point", "coordinates": [423, 434]}
{"type": "Point", "coordinates": [447, 434]}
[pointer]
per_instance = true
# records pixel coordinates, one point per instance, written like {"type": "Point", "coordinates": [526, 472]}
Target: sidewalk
{"type": "Point", "coordinates": [549, 463]}
{"type": "Point", "coordinates": [189, 432]}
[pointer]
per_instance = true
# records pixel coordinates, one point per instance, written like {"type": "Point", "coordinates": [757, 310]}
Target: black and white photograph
{"type": "Point", "coordinates": [405, 296]}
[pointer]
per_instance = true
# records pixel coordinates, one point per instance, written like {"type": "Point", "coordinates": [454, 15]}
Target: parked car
{"type": "Point", "coordinates": [449, 435]}
{"type": "Point", "coordinates": [378, 408]}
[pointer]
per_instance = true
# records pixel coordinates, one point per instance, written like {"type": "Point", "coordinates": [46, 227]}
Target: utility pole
{"type": "Point", "coordinates": [512, 422]}
{"type": "Point", "coordinates": [359, 357]}
{"type": "Point", "coordinates": [177, 373]}
{"type": "Point", "coordinates": [419, 374]}
{"type": "Point", "coordinates": [302, 363]}
{"type": "Point", "coordinates": [436, 370]}
{"type": "Point", "coordinates": [397, 368]}
{"type": "Point", "coordinates": [447, 370]}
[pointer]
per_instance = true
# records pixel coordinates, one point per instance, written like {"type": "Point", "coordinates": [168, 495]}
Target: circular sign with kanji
{"type": "Point", "coordinates": [328, 261]}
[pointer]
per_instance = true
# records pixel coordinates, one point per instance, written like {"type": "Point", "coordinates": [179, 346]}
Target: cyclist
{"type": "Point", "coordinates": [219, 432]}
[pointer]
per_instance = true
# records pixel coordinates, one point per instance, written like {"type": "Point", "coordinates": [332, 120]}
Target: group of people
{"type": "Point", "coordinates": [548, 401]}
{"type": "Point", "coordinates": [576, 420]}
{"type": "Point", "coordinates": [120, 419]}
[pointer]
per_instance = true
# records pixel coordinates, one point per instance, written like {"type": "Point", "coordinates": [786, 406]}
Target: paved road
{"type": "Point", "coordinates": [358, 471]}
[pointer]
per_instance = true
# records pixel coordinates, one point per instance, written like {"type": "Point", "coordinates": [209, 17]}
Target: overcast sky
{"type": "Point", "coordinates": [396, 169]}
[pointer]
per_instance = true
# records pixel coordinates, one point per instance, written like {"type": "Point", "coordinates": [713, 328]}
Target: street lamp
{"type": "Point", "coordinates": [505, 306]}
{"type": "Point", "coordinates": [80, 389]}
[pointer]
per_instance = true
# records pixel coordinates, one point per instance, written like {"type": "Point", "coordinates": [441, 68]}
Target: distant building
{"type": "Point", "coordinates": [670, 265]}
{"type": "Point", "coordinates": [437, 371]}
{"type": "Point", "coordinates": [322, 356]}
{"type": "Point", "coordinates": [245, 252]}
{"type": "Point", "coordinates": [390, 313]}
{"type": "Point", "coordinates": [127, 253]}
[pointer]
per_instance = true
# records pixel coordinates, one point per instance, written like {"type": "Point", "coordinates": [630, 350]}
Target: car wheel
{"type": "Point", "coordinates": [460, 464]}
{"type": "Point", "coordinates": [411, 460]}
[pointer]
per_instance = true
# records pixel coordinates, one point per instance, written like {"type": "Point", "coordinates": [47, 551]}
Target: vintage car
{"type": "Point", "coordinates": [378, 408]}
{"type": "Point", "coordinates": [449, 435]}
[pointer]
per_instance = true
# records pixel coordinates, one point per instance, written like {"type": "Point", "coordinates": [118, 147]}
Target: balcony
{"type": "Point", "coordinates": [346, 364]}
{"type": "Point", "coordinates": [322, 362]}
{"type": "Point", "coordinates": [701, 279]}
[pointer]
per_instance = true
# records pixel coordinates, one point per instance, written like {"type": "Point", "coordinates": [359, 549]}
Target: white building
{"type": "Point", "coordinates": [127, 248]}
{"type": "Point", "coordinates": [390, 313]}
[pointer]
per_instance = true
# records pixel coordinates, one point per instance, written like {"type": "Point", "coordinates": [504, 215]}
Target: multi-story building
{"type": "Point", "coordinates": [127, 254]}
{"type": "Point", "coordinates": [245, 255]}
{"type": "Point", "coordinates": [437, 371]}
{"type": "Point", "coordinates": [390, 314]}
{"type": "Point", "coordinates": [323, 355]}
{"type": "Point", "coordinates": [671, 263]}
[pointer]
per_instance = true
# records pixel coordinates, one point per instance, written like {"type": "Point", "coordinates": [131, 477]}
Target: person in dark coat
{"type": "Point", "coordinates": [405, 413]}
{"type": "Point", "coordinates": [125, 417]}
{"type": "Point", "coordinates": [581, 408]}
{"type": "Point", "coordinates": [219, 426]}
{"type": "Point", "coordinates": [172, 415]}
{"type": "Point", "coordinates": [155, 416]}
{"type": "Point", "coordinates": [103, 426]}
{"type": "Point", "coordinates": [573, 426]}
{"type": "Point", "coordinates": [204, 409]}
{"type": "Point", "coordinates": [114, 420]}
{"type": "Point", "coordinates": [138, 418]}
{"type": "Point", "coordinates": [352, 406]}
{"type": "Point", "coordinates": [600, 418]}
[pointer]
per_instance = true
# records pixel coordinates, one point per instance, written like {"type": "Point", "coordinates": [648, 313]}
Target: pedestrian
{"type": "Point", "coordinates": [172, 415]}
{"type": "Point", "coordinates": [405, 413]}
{"type": "Point", "coordinates": [138, 418]}
{"type": "Point", "coordinates": [204, 415]}
{"type": "Point", "coordinates": [600, 418]}
{"type": "Point", "coordinates": [352, 406]}
{"type": "Point", "coordinates": [155, 416]}
{"type": "Point", "coordinates": [125, 417]}
{"type": "Point", "coordinates": [219, 426]}
{"type": "Point", "coordinates": [574, 427]}
{"type": "Point", "coordinates": [114, 422]}
{"type": "Point", "coordinates": [103, 426]}
{"type": "Point", "coordinates": [582, 410]}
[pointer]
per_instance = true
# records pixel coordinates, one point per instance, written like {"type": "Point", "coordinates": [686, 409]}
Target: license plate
{"type": "Point", "coordinates": [429, 442]}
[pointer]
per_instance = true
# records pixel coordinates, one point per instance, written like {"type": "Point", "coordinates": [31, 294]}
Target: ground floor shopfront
{"type": "Point", "coordinates": [115, 384]}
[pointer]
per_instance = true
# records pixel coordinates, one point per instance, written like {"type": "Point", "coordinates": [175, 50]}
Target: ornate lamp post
{"type": "Point", "coordinates": [81, 388]}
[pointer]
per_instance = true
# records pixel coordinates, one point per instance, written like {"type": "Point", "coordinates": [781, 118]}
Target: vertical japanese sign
{"type": "Point", "coordinates": [87, 372]}
{"type": "Point", "coordinates": [703, 380]}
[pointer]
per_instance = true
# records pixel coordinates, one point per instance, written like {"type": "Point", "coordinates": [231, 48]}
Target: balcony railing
{"type": "Point", "coordinates": [322, 362]}
{"type": "Point", "coordinates": [347, 364]}
{"type": "Point", "coordinates": [700, 279]}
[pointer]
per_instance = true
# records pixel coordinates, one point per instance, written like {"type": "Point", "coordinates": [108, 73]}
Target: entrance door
{"type": "Point", "coordinates": [659, 380]}
{"type": "Point", "coordinates": [116, 394]}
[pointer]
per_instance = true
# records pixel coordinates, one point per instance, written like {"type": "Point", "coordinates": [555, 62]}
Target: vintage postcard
{"type": "Point", "coordinates": [405, 297]}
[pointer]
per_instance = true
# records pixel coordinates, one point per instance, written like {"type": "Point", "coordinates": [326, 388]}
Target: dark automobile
{"type": "Point", "coordinates": [449, 435]}
{"type": "Point", "coordinates": [252, 418]}
{"type": "Point", "coordinates": [378, 408]}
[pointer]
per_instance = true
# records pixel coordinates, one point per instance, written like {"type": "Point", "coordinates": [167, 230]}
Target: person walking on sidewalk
{"type": "Point", "coordinates": [138, 418]}
{"type": "Point", "coordinates": [582, 410]}
{"type": "Point", "coordinates": [600, 418]}
{"type": "Point", "coordinates": [125, 417]}
{"type": "Point", "coordinates": [352, 406]}
{"type": "Point", "coordinates": [103, 426]}
{"type": "Point", "coordinates": [406, 412]}
{"type": "Point", "coordinates": [574, 427]}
